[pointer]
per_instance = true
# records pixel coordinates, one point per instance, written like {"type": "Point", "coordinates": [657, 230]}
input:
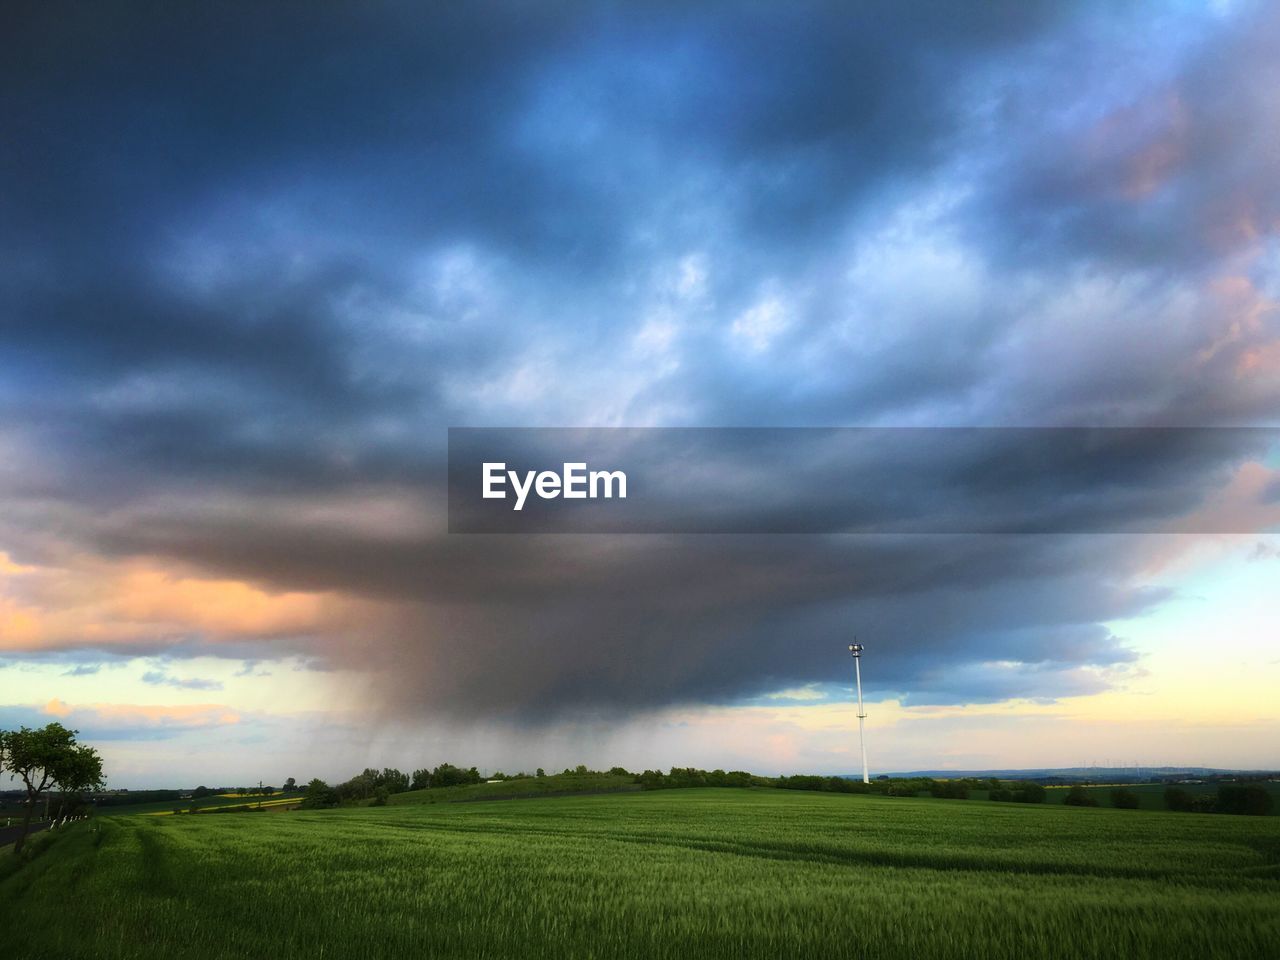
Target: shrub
{"type": "Point", "coordinates": [1019, 793]}
{"type": "Point", "coordinates": [1248, 800]}
{"type": "Point", "coordinates": [1029, 793]}
{"type": "Point", "coordinates": [1175, 798]}
{"type": "Point", "coordinates": [1123, 798]}
{"type": "Point", "coordinates": [1078, 796]}
{"type": "Point", "coordinates": [949, 790]}
{"type": "Point", "coordinates": [1204, 803]}
{"type": "Point", "coordinates": [801, 782]}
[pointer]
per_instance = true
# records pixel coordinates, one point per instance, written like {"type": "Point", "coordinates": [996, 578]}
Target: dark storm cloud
{"type": "Point", "coordinates": [129, 119]}
{"type": "Point", "coordinates": [542, 625]}
{"type": "Point", "coordinates": [256, 259]}
{"type": "Point", "coordinates": [376, 130]}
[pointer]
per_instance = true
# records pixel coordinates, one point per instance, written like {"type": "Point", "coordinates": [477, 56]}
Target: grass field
{"type": "Point", "coordinates": [560, 783]}
{"type": "Point", "coordinates": [680, 873]}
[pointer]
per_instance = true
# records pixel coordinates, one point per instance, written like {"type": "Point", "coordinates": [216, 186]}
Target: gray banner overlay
{"type": "Point", "coordinates": [863, 480]}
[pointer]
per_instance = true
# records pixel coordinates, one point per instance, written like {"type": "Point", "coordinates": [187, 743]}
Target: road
{"type": "Point", "coordinates": [10, 835]}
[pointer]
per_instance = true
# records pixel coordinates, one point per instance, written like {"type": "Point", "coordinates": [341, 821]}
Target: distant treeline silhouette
{"type": "Point", "coordinates": [374, 787]}
{"type": "Point", "coordinates": [1241, 799]}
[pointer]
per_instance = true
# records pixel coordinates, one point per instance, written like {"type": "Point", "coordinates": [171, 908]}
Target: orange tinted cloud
{"type": "Point", "coordinates": [1139, 147]}
{"type": "Point", "coordinates": [127, 714]}
{"type": "Point", "coordinates": [217, 606]}
{"type": "Point", "coordinates": [1247, 334]}
{"type": "Point", "coordinates": [90, 601]}
{"type": "Point", "coordinates": [9, 567]}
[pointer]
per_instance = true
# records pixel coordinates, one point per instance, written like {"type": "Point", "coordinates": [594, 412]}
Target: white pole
{"type": "Point", "coordinates": [856, 650]}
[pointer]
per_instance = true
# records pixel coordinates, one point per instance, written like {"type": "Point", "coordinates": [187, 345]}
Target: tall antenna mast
{"type": "Point", "coordinates": [856, 650]}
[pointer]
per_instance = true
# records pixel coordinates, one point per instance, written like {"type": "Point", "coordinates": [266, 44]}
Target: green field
{"type": "Point", "coordinates": [204, 803]}
{"type": "Point", "coordinates": [524, 787]}
{"type": "Point", "coordinates": [678, 873]}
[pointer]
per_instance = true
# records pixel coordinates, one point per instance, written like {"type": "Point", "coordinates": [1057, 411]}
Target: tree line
{"type": "Point", "coordinates": [1241, 799]}
{"type": "Point", "coordinates": [377, 785]}
{"type": "Point", "coordinates": [374, 786]}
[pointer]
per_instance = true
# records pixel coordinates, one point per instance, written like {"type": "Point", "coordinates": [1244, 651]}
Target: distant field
{"type": "Point", "coordinates": [666, 874]}
{"type": "Point", "coordinates": [204, 803]}
{"type": "Point", "coordinates": [561, 783]}
{"type": "Point", "coordinates": [1151, 795]}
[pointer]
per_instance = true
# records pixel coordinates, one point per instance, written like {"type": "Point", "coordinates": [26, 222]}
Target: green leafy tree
{"type": "Point", "coordinates": [393, 780]}
{"type": "Point", "coordinates": [359, 787]}
{"type": "Point", "coordinates": [45, 758]}
{"type": "Point", "coordinates": [319, 795]}
{"type": "Point", "coordinates": [447, 775]}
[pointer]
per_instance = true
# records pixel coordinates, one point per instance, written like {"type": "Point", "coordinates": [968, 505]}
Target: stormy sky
{"type": "Point", "coordinates": [254, 263]}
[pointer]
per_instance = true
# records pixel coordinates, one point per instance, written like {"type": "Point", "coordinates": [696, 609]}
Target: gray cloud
{"type": "Point", "coordinates": [158, 678]}
{"type": "Point", "coordinates": [82, 670]}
